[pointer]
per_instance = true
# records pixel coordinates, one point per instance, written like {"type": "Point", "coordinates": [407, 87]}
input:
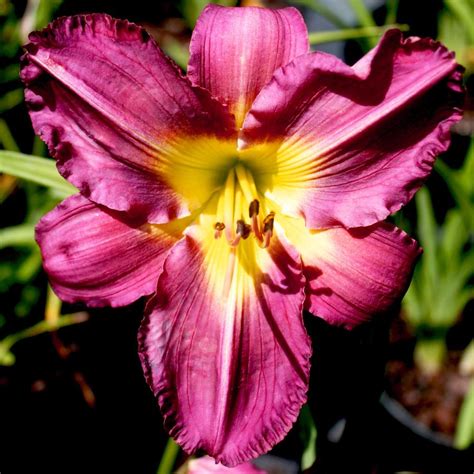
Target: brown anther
{"type": "Point", "coordinates": [268, 222]}
{"type": "Point", "coordinates": [218, 228]}
{"type": "Point", "coordinates": [254, 208]}
{"type": "Point", "coordinates": [243, 229]}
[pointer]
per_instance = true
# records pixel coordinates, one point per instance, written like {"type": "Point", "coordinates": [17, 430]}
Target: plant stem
{"type": "Point", "coordinates": [6, 344]}
{"type": "Point", "coordinates": [364, 17]}
{"type": "Point", "coordinates": [351, 33]}
{"type": "Point", "coordinates": [169, 457]}
{"type": "Point", "coordinates": [53, 307]}
{"type": "Point", "coordinates": [429, 355]}
{"type": "Point", "coordinates": [392, 10]}
{"type": "Point", "coordinates": [322, 10]}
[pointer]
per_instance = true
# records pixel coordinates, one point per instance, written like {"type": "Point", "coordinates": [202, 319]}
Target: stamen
{"type": "Point", "coordinates": [254, 209]}
{"type": "Point", "coordinates": [218, 227]}
{"type": "Point", "coordinates": [243, 229]}
{"type": "Point", "coordinates": [266, 240]}
{"type": "Point", "coordinates": [268, 222]}
{"type": "Point", "coordinates": [267, 229]}
{"type": "Point", "coordinates": [236, 241]}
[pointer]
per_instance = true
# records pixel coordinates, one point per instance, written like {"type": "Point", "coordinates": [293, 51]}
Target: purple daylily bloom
{"type": "Point", "coordinates": [239, 194]}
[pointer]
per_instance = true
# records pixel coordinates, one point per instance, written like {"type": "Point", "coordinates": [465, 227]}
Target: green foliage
{"type": "Point", "coordinates": [464, 435]}
{"type": "Point", "coordinates": [36, 170]}
{"type": "Point", "coordinates": [440, 288]}
{"type": "Point", "coordinates": [456, 30]}
{"type": "Point", "coordinates": [351, 33]}
{"type": "Point", "coordinates": [308, 435]}
{"type": "Point", "coordinates": [461, 185]}
{"type": "Point", "coordinates": [191, 9]}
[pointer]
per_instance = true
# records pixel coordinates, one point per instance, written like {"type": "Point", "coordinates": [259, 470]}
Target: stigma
{"type": "Point", "coordinates": [238, 202]}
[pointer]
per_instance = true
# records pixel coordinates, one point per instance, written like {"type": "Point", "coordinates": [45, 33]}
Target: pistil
{"type": "Point", "coordinates": [229, 196]}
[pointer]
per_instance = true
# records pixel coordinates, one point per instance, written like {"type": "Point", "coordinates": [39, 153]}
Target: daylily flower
{"type": "Point", "coordinates": [239, 194]}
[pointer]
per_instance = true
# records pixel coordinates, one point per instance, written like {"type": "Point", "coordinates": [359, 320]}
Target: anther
{"type": "Point", "coordinates": [268, 222]}
{"type": "Point", "coordinates": [243, 229]}
{"type": "Point", "coordinates": [267, 229]}
{"type": "Point", "coordinates": [254, 208]}
{"type": "Point", "coordinates": [218, 228]}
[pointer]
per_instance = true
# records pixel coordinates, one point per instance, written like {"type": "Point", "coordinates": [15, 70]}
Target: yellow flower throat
{"type": "Point", "coordinates": [238, 210]}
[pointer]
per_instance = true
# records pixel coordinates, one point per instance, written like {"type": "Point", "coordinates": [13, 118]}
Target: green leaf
{"type": "Point", "coordinates": [464, 435]}
{"type": "Point", "coordinates": [177, 51]}
{"type": "Point", "coordinates": [6, 137]}
{"type": "Point", "coordinates": [454, 238]}
{"type": "Point", "coordinates": [392, 10]}
{"type": "Point", "coordinates": [413, 308]}
{"type": "Point", "coordinates": [453, 35]}
{"type": "Point", "coordinates": [35, 169]}
{"type": "Point", "coordinates": [364, 17]}
{"type": "Point", "coordinates": [11, 99]}
{"type": "Point", "coordinates": [45, 12]}
{"type": "Point", "coordinates": [464, 11]}
{"type": "Point", "coordinates": [29, 267]}
{"type": "Point", "coordinates": [9, 73]}
{"type": "Point", "coordinates": [20, 235]}
{"type": "Point", "coordinates": [427, 234]}
{"type": "Point", "coordinates": [451, 301]}
{"type": "Point", "coordinates": [191, 9]}
{"type": "Point", "coordinates": [308, 430]}
{"type": "Point", "coordinates": [458, 190]}
{"type": "Point", "coordinates": [466, 173]}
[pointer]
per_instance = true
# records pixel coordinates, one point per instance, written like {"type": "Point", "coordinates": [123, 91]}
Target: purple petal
{"type": "Point", "coordinates": [235, 51]}
{"type": "Point", "coordinates": [353, 275]}
{"type": "Point", "coordinates": [348, 146]}
{"type": "Point", "coordinates": [223, 345]}
{"type": "Point", "coordinates": [117, 114]}
{"type": "Point", "coordinates": [207, 465]}
{"type": "Point", "coordinates": [101, 257]}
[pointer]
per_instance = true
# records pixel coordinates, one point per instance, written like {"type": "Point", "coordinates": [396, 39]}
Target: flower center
{"type": "Point", "coordinates": [238, 210]}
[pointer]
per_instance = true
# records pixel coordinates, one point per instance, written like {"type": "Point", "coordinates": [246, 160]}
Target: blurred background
{"type": "Point", "coordinates": [394, 396]}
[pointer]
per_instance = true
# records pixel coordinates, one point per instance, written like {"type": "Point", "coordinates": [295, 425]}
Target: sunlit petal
{"type": "Point", "coordinates": [102, 257]}
{"type": "Point", "coordinates": [353, 275]}
{"type": "Point", "coordinates": [348, 146]}
{"type": "Point", "coordinates": [118, 116]}
{"type": "Point", "coordinates": [223, 344]}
